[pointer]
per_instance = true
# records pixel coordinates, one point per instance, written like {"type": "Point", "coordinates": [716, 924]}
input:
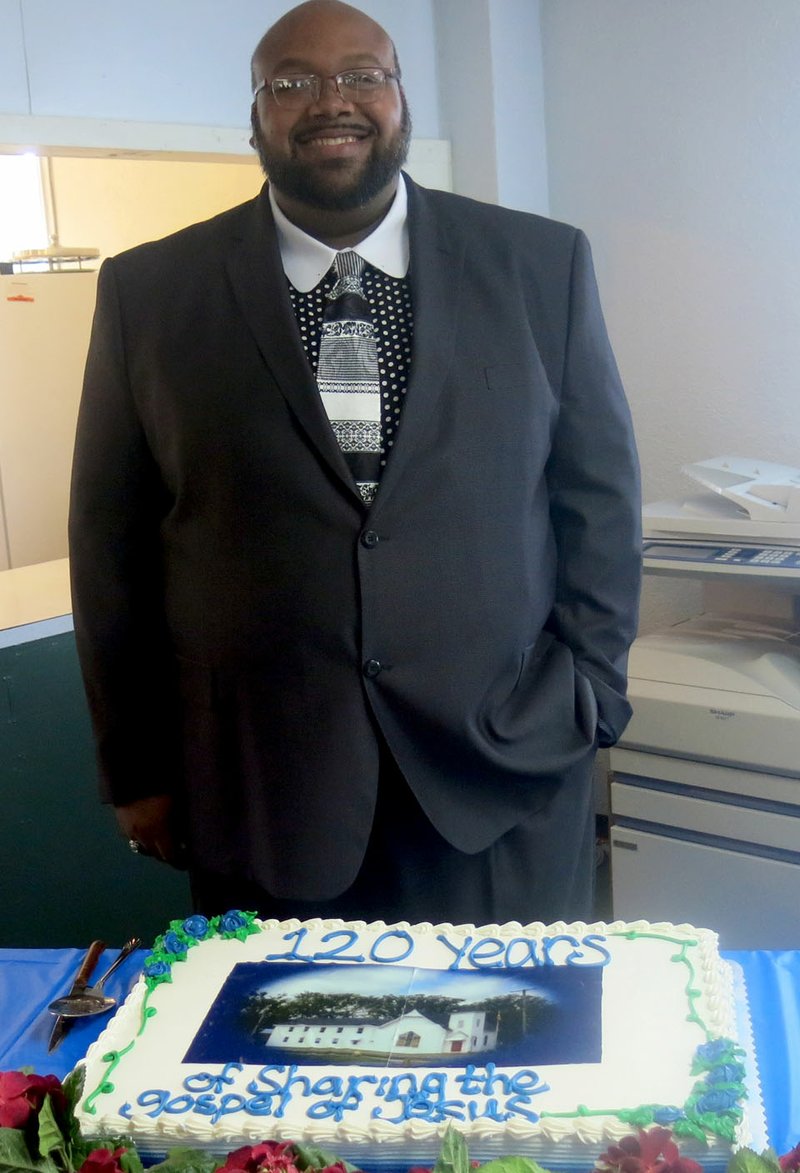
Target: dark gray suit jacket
{"type": "Point", "coordinates": [245, 629]}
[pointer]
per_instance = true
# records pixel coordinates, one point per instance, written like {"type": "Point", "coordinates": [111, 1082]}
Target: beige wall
{"type": "Point", "coordinates": [109, 204]}
{"type": "Point", "coordinates": [113, 204]}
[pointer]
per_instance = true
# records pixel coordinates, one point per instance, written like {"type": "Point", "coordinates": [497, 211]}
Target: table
{"type": "Point", "coordinates": [31, 978]}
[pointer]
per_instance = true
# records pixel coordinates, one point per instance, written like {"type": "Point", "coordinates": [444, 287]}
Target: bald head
{"type": "Point", "coordinates": [309, 24]}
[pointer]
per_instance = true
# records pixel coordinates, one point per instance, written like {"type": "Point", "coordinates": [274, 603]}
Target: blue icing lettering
{"type": "Point", "coordinates": [350, 1097]}
{"type": "Point", "coordinates": [521, 952]}
{"type": "Point", "coordinates": [470, 1081]}
{"type": "Point", "coordinates": [549, 944]}
{"type": "Point", "coordinates": [329, 1085]}
{"type": "Point", "coordinates": [206, 1081]}
{"type": "Point", "coordinates": [154, 1098]}
{"type": "Point", "coordinates": [483, 954]}
{"type": "Point", "coordinates": [179, 1104]}
{"type": "Point", "coordinates": [591, 941]}
{"type": "Point", "coordinates": [530, 954]}
{"type": "Point", "coordinates": [292, 954]}
{"type": "Point", "coordinates": [486, 1111]}
{"type": "Point", "coordinates": [424, 1100]}
{"type": "Point", "coordinates": [577, 956]}
{"type": "Point", "coordinates": [518, 1106]}
{"type": "Point", "coordinates": [458, 951]}
{"type": "Point", "coordinates": [401, 935]}
{"type": "Point", "coordinates": [349, 937]}
{"type": "Point", "coordinates": [259, 1104]}
{"type": "Point", "coordinates": [205, 1104]}
{"type": "Point", "coordinates": [229, 1104]}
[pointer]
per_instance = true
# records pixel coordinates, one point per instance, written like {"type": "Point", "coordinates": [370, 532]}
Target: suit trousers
{"type": "Point", "coordinates": [410, 872]}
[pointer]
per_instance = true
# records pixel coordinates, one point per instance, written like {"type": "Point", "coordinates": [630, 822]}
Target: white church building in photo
{"type": "Point", "coordinates": [467, 1032]}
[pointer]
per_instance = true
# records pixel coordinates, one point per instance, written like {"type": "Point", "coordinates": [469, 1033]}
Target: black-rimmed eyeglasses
{"type": "Point", "coordinates": [352, 85]}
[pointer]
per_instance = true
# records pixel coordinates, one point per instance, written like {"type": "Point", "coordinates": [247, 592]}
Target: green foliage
{"type": "Point", "coordinates": [746, 1161]}
{"type": "Point", "coordinates": [130, 1162]}
{"type": "Point", "coordinates": [309, 1156]}
{"type": "Point", "coordinates": [52, 1142]}
{"type": "Point", "coordinates": [182, 1160]}
{"type": "Point", "coordinates": [512, 1165]}
{"type": "Point", "coordinates": [453, 1156]}
{"type": "Point", "coordinates": [15, 1156]}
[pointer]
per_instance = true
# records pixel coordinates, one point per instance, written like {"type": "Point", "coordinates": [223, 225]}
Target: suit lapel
{"type": "Point", "coordinates": [437, 258]}
{"type": "Point", "coordinates": [256, 274]}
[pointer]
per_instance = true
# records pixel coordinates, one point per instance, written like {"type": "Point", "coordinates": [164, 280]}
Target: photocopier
{"type": "Point", "coordinates": [705, 782]}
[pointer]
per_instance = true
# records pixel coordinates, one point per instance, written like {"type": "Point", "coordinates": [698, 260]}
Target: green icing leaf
{"type": "Point", "coordinates": [689, 1128]}
{"type": "Point", "coordinates": [640, 1117]}
{"type": "Point", "coordinates": [453, 1156]}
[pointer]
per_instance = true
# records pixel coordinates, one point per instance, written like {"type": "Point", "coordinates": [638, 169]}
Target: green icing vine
{"type": "Point", "coordinates": [714, 1104]}
{"type": "Point", "coordinates": [168, 948]}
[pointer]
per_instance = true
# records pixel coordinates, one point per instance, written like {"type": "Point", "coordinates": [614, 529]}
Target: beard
{"type": "Point", "coordinates": [312, 186]}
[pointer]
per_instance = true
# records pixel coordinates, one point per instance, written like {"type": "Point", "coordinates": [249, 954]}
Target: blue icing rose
{"type": "Point", "coordinates": [231, 922]}
{"type": "Point", "coordinates": [718, 1100]}
{"type": "Point", "coordinates": [726, 1073]}
{"type": "Point", "coordinates": [195, 926]}
{"type": "Point", "coordinates": [714, 1050]}
{"type": "Point", "coordinates": [153, 968]}
{"type": "Point", "coordinates": [668, 1115]}
{"type": "Point", "coordinates": [173, 943]}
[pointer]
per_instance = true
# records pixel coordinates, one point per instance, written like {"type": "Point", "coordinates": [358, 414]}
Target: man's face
{"type": "Point", "coordinates": [334, 155]}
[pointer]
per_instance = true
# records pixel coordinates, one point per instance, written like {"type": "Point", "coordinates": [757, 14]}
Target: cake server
{"type": "Point", "coordinates": [90, 999]}
{"type": "Point", "coordinates": [90, 960]}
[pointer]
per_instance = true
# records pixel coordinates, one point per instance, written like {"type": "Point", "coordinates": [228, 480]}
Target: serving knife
{"type": "Point", "coordinates": [63, 1023]}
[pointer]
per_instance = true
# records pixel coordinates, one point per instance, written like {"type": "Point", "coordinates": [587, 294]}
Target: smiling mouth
{"type": "Point", "coordinates": [333, 142]}
{"type": "Point", "coordinates": [331, 136]}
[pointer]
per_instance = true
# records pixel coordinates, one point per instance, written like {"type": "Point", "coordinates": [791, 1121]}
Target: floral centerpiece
{"type": "Point", "coordinates": [39, 1134]}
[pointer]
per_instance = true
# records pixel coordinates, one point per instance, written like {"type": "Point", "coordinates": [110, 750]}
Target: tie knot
{"type": "Point", "coordinates": [348, 264]}
{"type": "Point", "coordinates": [348, 267]}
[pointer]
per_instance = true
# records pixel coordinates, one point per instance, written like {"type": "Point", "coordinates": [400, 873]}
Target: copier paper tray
{"type": "Point", "coordinates": [718, 689]}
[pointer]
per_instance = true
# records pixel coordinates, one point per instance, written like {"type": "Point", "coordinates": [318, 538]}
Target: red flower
{"type": "Point", "coordinates": [22, 1096]}
{"type": "Point", "coordinates": [103, 1161]}
{"type": "Point", "coordinates": [269, 1157]}
{"type": "Point", "coordinates": [790, 1162]}
{"type": "Point", "coordinates": [649, 1152]}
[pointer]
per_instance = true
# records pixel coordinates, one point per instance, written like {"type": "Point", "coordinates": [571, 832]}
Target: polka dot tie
{"type": "Point", "coordinates": [348, 374]}
{"type": "Point", "coordinates": [389, 306]}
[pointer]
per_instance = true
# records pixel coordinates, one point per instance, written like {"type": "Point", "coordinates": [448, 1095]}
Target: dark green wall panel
{"type": "Point", "coordinates": [65, 874]}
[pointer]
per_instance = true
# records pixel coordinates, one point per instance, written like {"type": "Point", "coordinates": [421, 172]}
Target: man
{"type": "Point", "coordinates": [334, 674]}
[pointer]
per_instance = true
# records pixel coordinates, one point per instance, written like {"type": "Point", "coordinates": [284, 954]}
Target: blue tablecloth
{"type": "Point", "coordinates": [31, 978]}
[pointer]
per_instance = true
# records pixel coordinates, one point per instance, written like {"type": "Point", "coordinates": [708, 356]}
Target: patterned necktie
{"type": "Point", "coordinates": [348, 376]}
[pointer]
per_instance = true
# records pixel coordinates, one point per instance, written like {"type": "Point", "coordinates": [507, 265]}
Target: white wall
{"type": "Point", "coordinates": [673, 132]}
{"type": "Point", "coordinates": [492, 101]}
{"type": "Point", "coordinates": [171, 61]}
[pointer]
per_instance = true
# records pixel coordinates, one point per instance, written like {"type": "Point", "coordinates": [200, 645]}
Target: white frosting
{"type": "Point", "coordinates": [664, 993]}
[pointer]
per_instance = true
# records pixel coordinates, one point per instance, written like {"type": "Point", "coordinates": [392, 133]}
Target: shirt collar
{"type": "Point", "coordinates": [307, 260]}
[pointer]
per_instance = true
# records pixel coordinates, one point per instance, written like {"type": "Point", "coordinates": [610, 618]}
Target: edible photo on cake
{"type": "Point", "coordinates": [379, 1016]}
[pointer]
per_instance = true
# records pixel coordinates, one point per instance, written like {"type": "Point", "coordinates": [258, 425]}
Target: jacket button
{"type": "Point", "coordinates": [372, 668]}
{"type": "Point", "coordinates": [369, 538]}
